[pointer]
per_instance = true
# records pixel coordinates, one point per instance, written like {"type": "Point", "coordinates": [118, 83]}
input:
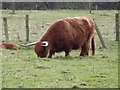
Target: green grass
{"type": "Point", "coordinates": [22, 69]}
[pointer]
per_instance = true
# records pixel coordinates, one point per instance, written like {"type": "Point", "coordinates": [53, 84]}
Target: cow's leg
{"type": "Point", "coordinates": [50, 54]}
{"type": "Point", "coordinates": [67, 50]}
{"type": "Point", "coordinates": [66, 53]}
{"type": "Point", "coordinates": [85, 50]}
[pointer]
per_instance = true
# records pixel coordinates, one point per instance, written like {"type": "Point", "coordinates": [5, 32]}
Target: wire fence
{"type": "Point", "coordinates": [38, 22]}
{"type": "Point", "coordinates": [17, 28]}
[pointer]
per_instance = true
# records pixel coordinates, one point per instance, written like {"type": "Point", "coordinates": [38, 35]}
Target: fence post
{"type": "Point", "coordinates": [90, 6]}
{"type": "Point", "coordinates": [100, 36]}
{"type": "Point", "coordinates": [6, 29]}
{"type": "Point", "coordinates": [117, 26]}
{"type": "Point", "coordinates": [96, 7]}
{"type": "Point", "coordinates": [13, 7]}
{"type": "Point", "coordinates": [27, 27]}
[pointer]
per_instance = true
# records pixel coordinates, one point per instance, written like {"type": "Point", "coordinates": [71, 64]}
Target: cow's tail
{"type": "Point", "coordinates": [93, 45]}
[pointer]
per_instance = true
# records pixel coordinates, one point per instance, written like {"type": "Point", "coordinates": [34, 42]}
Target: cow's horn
{"type": "Point", "coordinates": [44, 43]}
{"type": "Point", "coordinates": [28, 44]}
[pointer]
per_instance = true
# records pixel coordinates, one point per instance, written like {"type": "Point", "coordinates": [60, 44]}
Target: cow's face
{"type": "Point", "coordinates": [41, 49]}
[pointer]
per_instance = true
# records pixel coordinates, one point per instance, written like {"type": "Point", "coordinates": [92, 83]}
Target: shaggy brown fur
{"type": "Point", "coordinates": [9, 46]}
{"type": "Point", "coordinates": [67, 34]}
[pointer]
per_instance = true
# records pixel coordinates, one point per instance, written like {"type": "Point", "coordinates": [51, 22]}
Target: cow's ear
{"type": "Point", "coordinates": [44, 44]}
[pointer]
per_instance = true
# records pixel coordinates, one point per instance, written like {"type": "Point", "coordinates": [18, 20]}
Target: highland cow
{"type": "Point", "coordinates": [65, 35]}
{"type": "Point", "coordinates": [9, 46]}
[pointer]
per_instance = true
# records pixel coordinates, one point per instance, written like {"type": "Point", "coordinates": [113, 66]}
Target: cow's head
{"type": "Point", "coordinates": [41, 49]}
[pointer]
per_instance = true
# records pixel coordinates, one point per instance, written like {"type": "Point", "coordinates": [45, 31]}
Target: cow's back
{"type": "Point", "coordinates": [68, 33]}
{"type": "Point", "coordinates": [81, 29]}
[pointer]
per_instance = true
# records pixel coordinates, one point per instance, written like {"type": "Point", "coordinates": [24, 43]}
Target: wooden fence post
{"type": "Point", "coordinates": [27, 27]}
{"type": "Point", "coordinates": [90, 6]}
{"type": "Point", "coordinates": [96, 7]}
{"type": "Point", "coordinates": [6, 29]}
{"type": "Point", "coordinates": [13, 7]}
{"type": "Point", "coordinates": [100, 36]}
{"type": "Point", "coordinates": [117, 26]}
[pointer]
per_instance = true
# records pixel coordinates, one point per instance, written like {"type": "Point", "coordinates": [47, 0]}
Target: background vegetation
{"type": "Point", "coordinates": [60, 5]}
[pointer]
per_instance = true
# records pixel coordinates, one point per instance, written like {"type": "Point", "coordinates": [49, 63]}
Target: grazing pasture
{"type": "Point", "coordinates": [23, 69]}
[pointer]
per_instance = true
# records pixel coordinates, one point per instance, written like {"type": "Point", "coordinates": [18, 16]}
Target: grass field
{"type": "Point", "coordinates": [22, 69]}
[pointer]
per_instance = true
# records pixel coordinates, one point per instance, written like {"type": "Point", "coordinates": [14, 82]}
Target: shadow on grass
{"type": "Point", "coordinates": [73, 57]}
{"type": "Point", "coordinates": [62, 58]}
